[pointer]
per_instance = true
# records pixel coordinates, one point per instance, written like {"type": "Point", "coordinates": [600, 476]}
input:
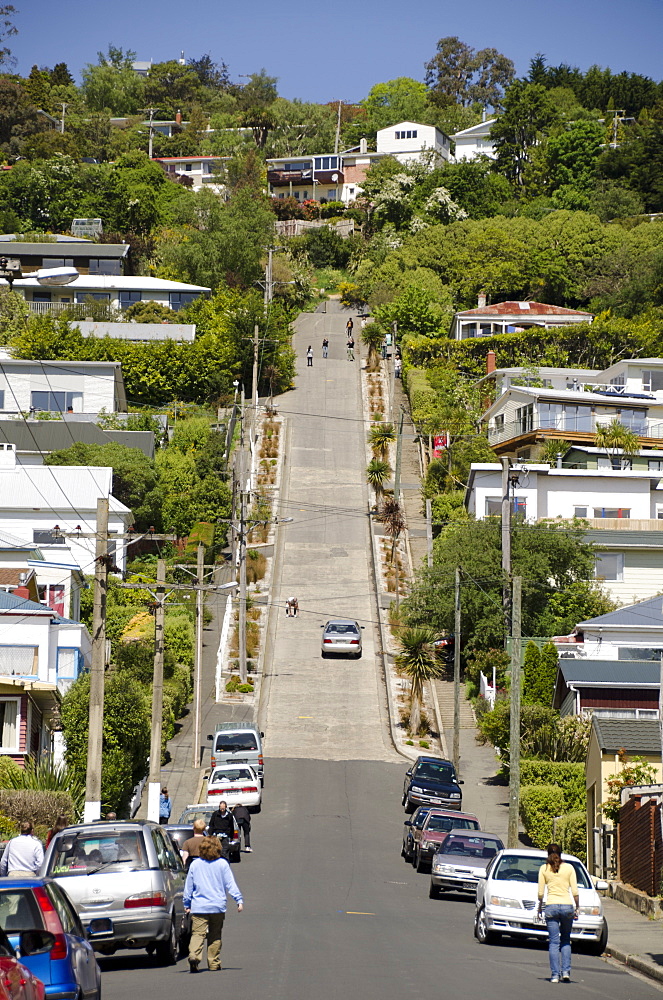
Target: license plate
{"type": "Point", "coordinates": [470, 885]}
{"type": "Point", "coordinates": [436, 800]}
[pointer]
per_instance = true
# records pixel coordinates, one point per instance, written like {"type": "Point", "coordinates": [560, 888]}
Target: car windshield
{"type": "Point", "coordinates": [420, 818]}
{"type": "Point", "coordinates": [339, 629]}
{"type": "Point", "coordinates": [19, 911]}
{"type": "Point", "coordinates": [86, 852]}
{"type": "Point", "coordinates": [190, 815]}
{"type": "Point", "coordinates": [232, 774]}
{"type": "Point", "coordinates": [525, 868]}
{"type": "Point", "coordinates": [439, 772]}
{"type": "Point", "coordinates": [227, 742]}
{"type": "Point", "coordinates": [471, 847]}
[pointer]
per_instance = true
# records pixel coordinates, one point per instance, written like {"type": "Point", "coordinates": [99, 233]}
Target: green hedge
{"type": "Point", "coordinates": [539, 804]}
{"type": "Point", "coordinates": [570, 778]}
{"type": "Point", "coordinates": [422, 396]}
{"type": "Point", "coordinates": [571, 832]}
{"type": "Point", "coordinates": [40, 808]}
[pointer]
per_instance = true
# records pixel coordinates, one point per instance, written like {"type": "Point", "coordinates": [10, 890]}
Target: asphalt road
{"type": "Point", "coordinates": [333, 912]}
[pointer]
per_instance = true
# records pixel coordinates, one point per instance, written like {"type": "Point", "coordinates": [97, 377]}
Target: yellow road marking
{"type": "Point", "coordinates": [308, 717]}
{"type": "Point", "coordinates": [358, 913]}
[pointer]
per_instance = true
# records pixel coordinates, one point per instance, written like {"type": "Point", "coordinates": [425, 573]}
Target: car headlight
{"type": "Point", "coordinates": [590, 911]}
{"type": "Point", "coordinates": [415, 788]}
{"type": "Point", "coordinates": [513, 904]}
{"type": "Point", "coordinates": [427, 844]}
{"type": "Point", "coordinates": [455, 795]}
{"type": "Point", "coordinates": [439, 867]}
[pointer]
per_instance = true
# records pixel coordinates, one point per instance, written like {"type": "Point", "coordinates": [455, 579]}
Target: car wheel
{"type": "Point", "coordinates": [323, 654]}
{"type": "Point", "coordinates": [481, 932]}
{"type": "Point", "coordinates": [166, 951]}
{"type": "Point", "coordinates": [420, 863]}
{"type": "Point", "coordinates": [599, 946]}
{"type": "Point", "coordinates": [434, 892]}
{"type": "Point", "coordinates": [409, 808]}
{"type": "Point", "coordinates": [358, 656]}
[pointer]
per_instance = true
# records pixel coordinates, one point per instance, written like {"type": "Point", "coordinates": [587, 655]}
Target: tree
{"type": "Point", "coordinates": [457, 74]}
{"type": "Point", "coordinates": [148, 312]}
{"type": "Point", "coordinates": [619, 443]}
{"type": "Point", "coordinates": [377, 474]}
{"type": "Point", "coordinates": [531, 667]}
{"type": "Point", "coordinates": [172, 87]}
{"type": "Point", "coordinates": [393, 517]}
{"type": "Point", "coordinates": [112, 85]}
{"type": "Point", "coordinates": [418, 660]}
{"type": "Point", "coordinates": [7, 30]}
{"type": "Point", "coordinates": [372, 337]}
{"type": "Point", "coordinates": [380, 437]}
{"type": "Point", "coordinates": [402, 99]}
{"type": "Point", "coordinates": [634, 771]}
{"type": "Point", "coordinates": [60, 75]}
{"type": "Point", "coordinates": [539, 674]}
{"type": "Point", "coordinates": [211, 74]}
{"type": "Point", "coordinates": [528, 115]}
{"type": "Point", "coordinates": [18, 119]}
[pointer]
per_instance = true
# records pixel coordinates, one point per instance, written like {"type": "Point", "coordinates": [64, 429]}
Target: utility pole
{"type": "Point", "coordinates": [399, 449]}
{"type": "Point", "coordinates": [242, 585]}
{"type": "Point", "coordinates": [456, 748]}
{"type": "Point", "coordinates": [514, 754]}
{"type": "Point", "coordinates": [337, 140]}
{"type": "Point", "coordinates": [429, 532]}
{"type": "Point", "coordinates": [269, 283]}
{"type": "Point", "coordinates": [506, 547]}
{"type": "Point", "coordinates": [64, 108]}
{"type": "Point", "coordinates": [92, 808]}
{"type": "Point", "coordinates": [254, 422]}
{"type": "Point", "coordinates": [197, 677]}
{"type": "Point", "coordinates": [151, 112]}
{"type": "Point", "coordinates": [393, 373]}
{"type": "Point", "coordinates": [154, 786]}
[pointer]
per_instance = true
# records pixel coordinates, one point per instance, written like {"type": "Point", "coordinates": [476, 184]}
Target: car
{"type": "Point", "coordinates": [341, 635]}
{"type": "Point", "coordinates": [126, 880]}
{"type": "Point", "coordinates": [238, 784]}
{"type": "Point", "coordinates": [410, 825]}
{"type": "Point", "coordinates": [180, 832]}
{"type": "Point", "coordinates": [238, 743]}
{"type": "Point", "coordinates": [506, 901]}
{"type": "Point", "coordinates": [461, 861]}
{"type": "Point", "coordinates": [69, 969]}
{"type": "Point", "coordinates": [431, 781]}
{"type": "Point", "coordinates": [17, 982]}
{"type": "Point", "coordinates": [436, 828]}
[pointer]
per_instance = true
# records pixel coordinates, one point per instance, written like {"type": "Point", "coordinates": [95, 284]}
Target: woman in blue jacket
{"type": "Point", "coordinates": [208, 884]}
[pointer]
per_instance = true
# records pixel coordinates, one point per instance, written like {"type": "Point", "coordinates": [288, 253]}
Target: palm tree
{"type": "Point", "coordinates": [618, 442]}
{"type": "Point", "coordinates": [551, 449]}
{"type": "Point", "coordinates": [391, 515]}
{"type": "Point", "coordinates": [380, 437]}
{"type": "Point", "coordinates": [377, 474]}
{"type": "Point", "coordinates": [419, 661]}
{"type": "Point", "coordinates": [372, 336]}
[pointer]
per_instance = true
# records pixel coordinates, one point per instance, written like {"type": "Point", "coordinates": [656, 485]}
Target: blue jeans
{"type": "Point", "coordinates": [559, 919]}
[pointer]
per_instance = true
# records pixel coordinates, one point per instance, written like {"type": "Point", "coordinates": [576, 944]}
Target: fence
{"type": "Point", "coordinates": [640, 843]}
{"type": "Point", "coordinates": [486, 690]}
{"type": "Point", "coordinates": [295, 227]}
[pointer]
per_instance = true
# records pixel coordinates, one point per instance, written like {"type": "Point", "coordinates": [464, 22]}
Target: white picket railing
{"type": "Point", "coordinates": [486, 690]}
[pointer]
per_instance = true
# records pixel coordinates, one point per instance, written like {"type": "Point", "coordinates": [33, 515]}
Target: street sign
{"type": "Point", "coordinates": [10, 267]}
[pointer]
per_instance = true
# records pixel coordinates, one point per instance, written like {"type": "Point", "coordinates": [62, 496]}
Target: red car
{"type": "Point", "coordinates": [17, 982]}
{"type": "Point", "coordinates": [435, 829]}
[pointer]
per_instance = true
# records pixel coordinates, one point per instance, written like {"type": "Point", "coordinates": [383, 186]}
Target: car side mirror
{"type": "Point", "coordinates": [206, 777]}
{"type": "Point", "coordinates": [601, 885]}
{"type": "Point", "coordinates": [262, 736]}
{"type": "Point", "coordinates": [407, 822]}
{"type": "Point", "coordinates": [408, 774]}
{"type": "Point", "coordinates": [460, 781]}
{"type": "Point", "coordinates": [35, 942]}
{"type": "Point", "coordinates": [210, 737]}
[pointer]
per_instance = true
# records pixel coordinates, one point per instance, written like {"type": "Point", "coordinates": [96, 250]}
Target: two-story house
{"type": "Point", "coordinates": [28, 386]}
{"type": "Point", "coordinates": [474, 141]}
{"type": "Point", "coordinates": [197, 172]}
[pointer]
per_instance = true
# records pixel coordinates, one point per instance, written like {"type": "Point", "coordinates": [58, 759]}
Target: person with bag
{"type": "Point", "coordinates": [208, 884]}
{"type": "Point", "coordinates": [559, 884]}
{"type": "Point", "coordinates": [325, 347]}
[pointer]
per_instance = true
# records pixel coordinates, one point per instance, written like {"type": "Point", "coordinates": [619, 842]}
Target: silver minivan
{"type": "Point", "coordinates": [238, 743]}
{"type": "Point", "coordinates": [126, 881]}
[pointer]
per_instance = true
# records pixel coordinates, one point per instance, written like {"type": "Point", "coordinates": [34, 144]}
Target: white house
{"type": "Point", "coordinates": [634, 632]}
{"type": "Point", "coordinates": [322, 177]}
{"type": "Point", "coordinates": [474, 141]}
{"type": "Point", "coordinates": [58, 579]}
{"type": "Point", "coordinates": [199, 171]}
{"type": "Point", "coordinates": [117, 291]}
{"type": "Point", "coordinates": [144, 332]}
{"type": "Point", "coordinates": [512, 317]}
{"type": "Point", "coordinates": [61, 386]}
{"type": "Point", "coordinates": [623, 510]}
{"type": "Point", "coordinates": [42, 503]}
{"type": "Point", "coordinates": [406, 141]}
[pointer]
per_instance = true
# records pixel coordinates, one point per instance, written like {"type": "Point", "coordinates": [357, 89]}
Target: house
{"type": "Point", "coordinates": [46, 502]}
{"type": "Point", "coordinates": [474, 141]}
{"type": "Point", "coordinates": [622, 509]}
{"type": "Point", "coordinates": [117, 292]}
{"type": "Point", "coordinates": [198, 172]}
{"type": "Point", "coordinates": [634, 632]}
{"type": "Point", "coordinates": [34, 439]}
{"type": "Point", "coordinates": [408, 141]}
{"type": "Point", "coordinates": [512, 317]}
{"type": "Point", "coordinates": [85, 256]}
{"type": "Point", "coordinates": [51, 574]}
{"type": "Point", "coordinates": [138, 332]}
{"type": "Point", "coordinates": [41, 655]}
{"type": "Point", "coordinates": [60, 386]}
{"type": "Point", "coordinates": [614, 689]}
{"type": "Point", "coordinates": [608, 739]}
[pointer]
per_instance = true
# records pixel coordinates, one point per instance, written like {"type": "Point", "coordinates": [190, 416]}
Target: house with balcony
{"type": "Point", "coordinates": [117, 292]}
{"type": "Point", "coordinates": [512, 317]}
{"type": "Point", "coordinates": [197, 172]}
{"type": "Point", "coordinates": [330, 177]}
{"type": "Point", "coordinates": [474, 141]}
{"type": "Point", "coordinates": [74, 387]}
{"type": "Point", "coordinates": [87, 257]}
{"type": "Point", "coordinates": [622, 511]}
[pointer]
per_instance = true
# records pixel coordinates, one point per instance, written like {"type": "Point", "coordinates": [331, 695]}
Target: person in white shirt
{"type": "Point", "coordinates": [23, 855]}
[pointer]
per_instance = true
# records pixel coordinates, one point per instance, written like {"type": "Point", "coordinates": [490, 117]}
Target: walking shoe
{"type": "Point", "coordinates": [193, 965]}
{"type": "Point", "coordinates": [566, 977]}
{"type": "Point", "coordinates": [554, 979]}
{"type": "Point", "coordinates": [248, 850]}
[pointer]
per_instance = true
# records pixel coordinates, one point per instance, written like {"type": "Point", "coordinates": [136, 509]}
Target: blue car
{"type": "Point", "coordinates": [69, 970]}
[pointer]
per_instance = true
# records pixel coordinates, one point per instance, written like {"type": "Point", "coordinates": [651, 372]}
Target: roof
{"type": "Point", "coordinates": [571, 395]}
{"type": "Point", "coordinates": [474, 130]}
{"type": "Point", "coordinates": [67, 366]}
{"type": "Point", "coordinates": [8, 541]}
{"type": "Point", "coordinates": [9, 603]}
{"type": "Point", "coordinates": [75, 247]}
{"type": "Point", "coordinates": [523, 310]}
{"type": "Point", "coordinates": [110, 282]}
{"type": "Point", "coordinates": [644, 614]}
{"type": "Point", "coordinates": [45, 436]}
{"type": "Point", "coordinates": [635, 736]}
{"type": "Point", "coordinates": [58, 237]}
{"type": "Point", "coordinates": [10, 576]}
{"type": "Point", "coordinates": [188, 159]}
{"type": "Point", "coordinates": [57, 488]}
{"type": "Point", "coordinates": [137, 331]}
{"type": "Point", "coordinates": [611, 673]}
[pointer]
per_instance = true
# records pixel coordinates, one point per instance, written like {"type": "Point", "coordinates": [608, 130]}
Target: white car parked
{"type": "Point", "coordinates": [507, 901]}
{"type": "Point", "coordinates": [238, 784]}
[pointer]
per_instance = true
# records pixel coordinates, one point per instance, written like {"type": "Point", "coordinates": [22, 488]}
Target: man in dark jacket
{"type": "Point", "coordinates": [221, 823]}
{"type": "Point", "coordinates": [243, 818]}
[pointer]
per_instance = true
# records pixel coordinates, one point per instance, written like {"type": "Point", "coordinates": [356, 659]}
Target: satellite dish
{"type": "Point", "coordinates": [334, 177]}
{"type": "Point", "coordinates": [56, 275]}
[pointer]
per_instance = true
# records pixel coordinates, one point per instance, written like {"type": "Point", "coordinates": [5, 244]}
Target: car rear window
{"type": "Point", "coordinates": [440, 772]}
{"type": "Point", "coordinates": [232, 774]}
{"type": "Point", "coordinates": [84, 853]}
{"type": "Point", "coordinates": [227, 742]}
{"type": "Point", "coordinates": [525, 868]}
{"type": "Point", "coordinates": [190, 815]}
{"type": "Point", "coordinates": [19, 911]}
{"type": "Point", "coordinates": [343, 629]}
{"type": "Point", "coordinates": [471, 847]}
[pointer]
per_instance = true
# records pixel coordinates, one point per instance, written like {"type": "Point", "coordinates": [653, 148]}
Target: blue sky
{"type": "Point", "coordinates": [326, 52]}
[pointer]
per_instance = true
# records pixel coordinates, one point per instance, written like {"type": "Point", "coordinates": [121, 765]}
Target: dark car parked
{"type": "Point", "coordinates": [69, 969]}
{"type": "Point", "coordinates": [431, 781]}
{"type": "Point", "coordinates": [409, 828]}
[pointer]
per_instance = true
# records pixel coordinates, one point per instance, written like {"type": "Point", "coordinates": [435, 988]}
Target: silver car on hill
{"type": "Point", "coordinates": [341, 636]}
{"type": "Point", "coordinates": [126, 880]}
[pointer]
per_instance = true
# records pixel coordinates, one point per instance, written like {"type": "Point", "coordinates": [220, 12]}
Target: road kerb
{"type": "Point", "coordinates": [643, 965]}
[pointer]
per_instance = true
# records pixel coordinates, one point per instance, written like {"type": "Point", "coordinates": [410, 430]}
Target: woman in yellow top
{"type": "Point", "coordinates": [557, 881]}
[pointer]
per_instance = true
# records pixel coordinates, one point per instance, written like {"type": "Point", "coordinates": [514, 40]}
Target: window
{"type": "Point", "coordinates": [105, 267]}
{"type": "Point", "coordinates": [9, 724]}
{"type": "Point", "coordinates": [331, 194]}
{"type": "Point", "coordinates": [612, 512]}
{"type": "Point", "coordinates": [525, 418]}
{"type": "Point", "coordinates": [638, 653]}
{"type": "Point", "coordinates": [2, 399]}
{"type": "Point", "coordinates": [499, 422]}
{"type": "Point", "coordinates": [550, 415]}
{"type": "Point", "coordinates": [188, 166]}
{"type": "Point", "coordinates": [47, 538]}
{"type": "Point", "coordinates": [609, 566]}
{"type": "Point", "coordinates": [40, 296]}
{"type": "Point", "coordinates": [655, 465]}
{"type": "Point", "coordinates": [351, 191]}
{"type": "Point", "coordinates": [581, 511]}
{"type": "Point", "coordinates": [128, 298]}
{"type": "Point", "coordinates": [493, 506]}
{"type": "Point", "coordinates": [578, 418]}
{"type": "Point", "coordinates": [326, 163]}
{"type": "Point", "coordinates": [178, 300]}
{"type": "Point", "coordinates": [617, 462]}
{"type": "Point", "coordinates": [652, 380]}
{"type": "Point", "coordinates": [82, 297]}
{"type": "Point", "coordinates": [59, 402]}
{"type": "Point", "coordinates": [635, 420]}
{"type": "Point", "coordinates": [57, 262]}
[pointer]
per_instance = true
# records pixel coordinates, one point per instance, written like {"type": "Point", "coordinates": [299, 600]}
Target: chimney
{"type": "Point", "coordinates": [22, 590]}
{"type": "Point", "coordinates": [363, 146]}
{"type": "Point", "coordinates": [178, 117]}
{"type": "Point", "coordinates": [481, 302]}
{"type": "Point", "coordinates": [490, 362]}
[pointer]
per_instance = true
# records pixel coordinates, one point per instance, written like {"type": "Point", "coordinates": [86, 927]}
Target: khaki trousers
{"type": "Point", "coordinates": [206, 926]}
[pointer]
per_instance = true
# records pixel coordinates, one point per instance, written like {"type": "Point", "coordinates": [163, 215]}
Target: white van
{"type": "Point", "coordinates": [238, 743]}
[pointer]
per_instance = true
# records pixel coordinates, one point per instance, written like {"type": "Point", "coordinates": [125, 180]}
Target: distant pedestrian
{"type": "Point", "coordinates": [385, 347]}
{"type": "Point", "coordinates": [208, 884]}
{"type": "Point", "coordinates": [294, 604]}
{"type": "Point", "coordinates": [60, 824]}
{"type": "Point", "coordinates": [165, 806]}
{"type": "Point", "coordinates": [309, 356]}
{"type": "Point", "coordinates": [349, 327]}
{"type": "Point", "coordinates": [221, 822]}
{"type": "Point", "coordinates": [398, 367]}
{"type": "Point", "coordinates": [351, 348]}
{"type": "Point", "coordinates": [243, 820]}
{"type": "Point", "coordinates": [23, 855]}
{"type": "Point", "coordinates": [558, 882]}
{"type": "Point", "coordinates": [325, 348]}
{"type": "Point", "coordinates": [111, 817]}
